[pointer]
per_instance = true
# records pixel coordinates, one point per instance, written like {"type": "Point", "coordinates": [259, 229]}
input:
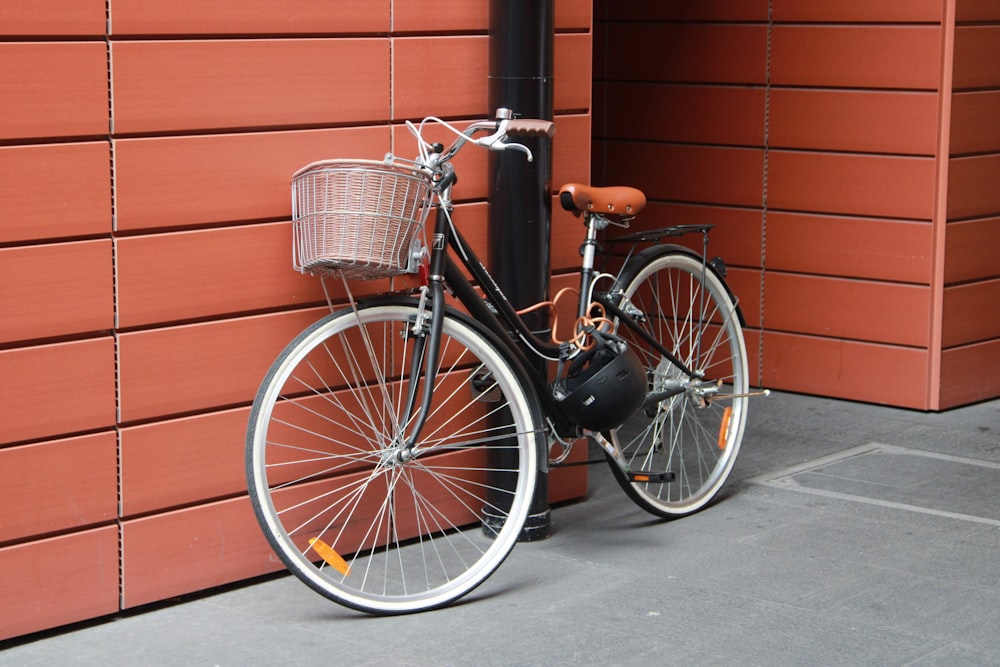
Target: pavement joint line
{"type": "Point", "coordinates": [784, 479]}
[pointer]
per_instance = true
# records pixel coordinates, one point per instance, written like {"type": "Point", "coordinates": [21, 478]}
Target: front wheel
{"type": "Point", "coordinates": [348, 508]}
{"type": "Point", "coordinates": [695, 434]}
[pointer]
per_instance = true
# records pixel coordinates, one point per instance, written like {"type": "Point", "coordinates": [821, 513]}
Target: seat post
{"type": "Point", "coordinates": [589, 252]}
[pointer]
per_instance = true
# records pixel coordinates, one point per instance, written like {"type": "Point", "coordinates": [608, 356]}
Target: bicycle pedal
{"type": "Point", "coordinates": [651, 477]}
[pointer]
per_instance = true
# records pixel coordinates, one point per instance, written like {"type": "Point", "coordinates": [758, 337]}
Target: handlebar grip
{"type": "Point", "coordinates": [530, 127]}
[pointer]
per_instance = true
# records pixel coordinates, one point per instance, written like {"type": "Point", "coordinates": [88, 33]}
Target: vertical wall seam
{"type": "Point", "coordinates": [114, 298]}
{"type": "Point", "coordinates": [392, 101]}
{"type": "Point", "coordinates": [763, 212]}
{"type": "Point", "coordinates": [940, 221]}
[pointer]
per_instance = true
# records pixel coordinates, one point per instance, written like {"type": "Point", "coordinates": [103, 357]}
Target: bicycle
{"type": "Point", "coordinates": [394, 445]}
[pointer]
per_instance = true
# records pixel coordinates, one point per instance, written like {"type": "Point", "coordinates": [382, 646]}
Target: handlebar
{"type": "Point", "coordinates": [503, 127]}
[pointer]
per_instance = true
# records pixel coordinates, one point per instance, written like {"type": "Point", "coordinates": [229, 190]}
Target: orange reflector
{"type": "Point", "coordinates": [641, 478]}
{"type": "Point", "coordinates": [724, 426]}
{"type": "Point", "coordinates": [332, 558]}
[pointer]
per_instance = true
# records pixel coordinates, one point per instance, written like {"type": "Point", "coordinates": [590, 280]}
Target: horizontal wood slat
{"type": "Point", "coordinates": [887, 250]}
{"type": "Point", "coordinates": [201, 17]}
{"type": "Point", "coordinates": [977, 57]}
{"type": "Point", "coordinates": [192, 549]}
{"type": "Point", "coordinates": [687, 53]}
{"type": "Point", "coordinates": [863, 121]}
{"type": "Point", "coordinates": [972, 186]}
{"type": "Point", "coordinates": [691, 114]}
{"type": "Point", "coordinates": [201, 366]}
{"type": "Point", "coordinates": [858, 11]}
{"type": "Point", "coordinates": [183, 181]}
{"type": "Point", "coordinates": [50, 390]}
{"type": "Point", "coordinates": [182, 461]}
{"type": "Point", "coordinates": [845, 369]}
{"type": "Point", "coordinates": [54, 18]}
{"type": "Point", "coordinates": [973, 122]}
{"type": "Point", "coordinates": [164, 86]}
{"type": "Point", "coordinates": [879, 312]}
{"type": "Point", "coordinates": [962, 378]}
{"type": "Point", "coordinates": [702, 174]}
{"type": "Point", "coordinates": [971, 313]}
{"type": "Point", "coordinates": [58, 485]}
{"type": "Point", "coordinates": [55, 190]}
{"type": "Point", "coordinates": [55, 90]}
{"type": "Point", "coordinates": [976, 10]}
{"type": "Point", "coordinates": [56, 289]}
{"type": "Point", "coordinates": [210, 272]}
{"type": "Point", "coordinates": [870, 185]}
{"type": "Point", "coordinates": [971, 250]}
{"type": "Point", "coordinates": [42, 591]}
{"type": "Point", "coordinates": [856, 57]}
{"type": "Point", "coordinates": [715, 10]}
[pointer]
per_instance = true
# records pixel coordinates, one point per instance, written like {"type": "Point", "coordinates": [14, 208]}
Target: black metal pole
{"type": "Point", "coordinates": [520, 78]}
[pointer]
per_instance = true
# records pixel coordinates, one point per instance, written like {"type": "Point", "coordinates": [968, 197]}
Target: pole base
{"type": "Point", "coordinates": [536, 526]}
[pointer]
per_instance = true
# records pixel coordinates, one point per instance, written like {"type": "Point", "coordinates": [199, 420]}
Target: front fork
{"type": "Point", "coordinates": [426, 330]}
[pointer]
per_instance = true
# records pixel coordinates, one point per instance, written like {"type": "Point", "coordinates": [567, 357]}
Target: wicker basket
{"type": "Point", "coordinates": [359, 218]}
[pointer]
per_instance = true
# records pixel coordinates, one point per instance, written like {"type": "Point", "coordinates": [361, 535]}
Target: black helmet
{"type": "Point", "coordinates": [604, 386]}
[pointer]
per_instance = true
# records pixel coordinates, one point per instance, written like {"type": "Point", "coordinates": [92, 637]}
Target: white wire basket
{"type": "Point", "coordinates": [362, 219]}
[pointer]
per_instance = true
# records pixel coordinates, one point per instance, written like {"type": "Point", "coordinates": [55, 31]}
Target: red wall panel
{"type": "Point", "coordinates": [859, 11]}
{"type": "Point", "coordinates": [35, 288]}
{"type": "Point", "coordinates": [54, 190]}
{"type": "Point", "coordinates": [58, 485]}
{"type": "Point", "coordinates": [976, 10]}
{"type": "Point", "coordinates": [54, 18]}
{"type": "Point", "coordinates": [40, 589]}
{"type": "Point", "coordinates": [689, 173]}
{"type": "Point", "coordinates": [879, 312]}
{"type": "Point", "coordinates": [977, 57]}
{"type": "Point", "coordinates": [891, 250]}
{"type": "Point", "coordinates": [971, 250]}
{"type": "Point", "coordinates": [845, 369]}
{"type": "Point", "coordinates": [215, 17]}
{"type": "Point", "coordinates": [857, 57]}
{"type": "Point", "coordinates": [974, 126]}
{"type": "Point", "coordinates": [687, 52]}
{"type": "Point", "coordinates": [870, 185]}
{"type": "Point", "coordinates": [206, 272]}
{"type": "Point", "coordinates": [192, 549]}
{"type": "Point", "coordinates": [702, 114]}
{"type": "Point", "coordinates": [182, 461]}
{"type": "Point", "coordinates": [958, 364]}
{"type": "Point", "coordinates": [707, 10]}
{"type": "Point", "coordinates": [201, 366]}
{"type": "Point", "coordinates": [163, 86]}
{"type": "Point", "coordinates": [56, 389]}
{"type": "Point", "coordinates": [458, 88]}
{"type": "Point", "coordinates": [55, 90]}
{"type": "Point", "coordinates": [972, 186]}
{"type": "Point", "coordinates": [863, 121]}
{"type": "Point", "coordinates": [971, 313]}
{"type": "Point", "coordinates": [166, 182]}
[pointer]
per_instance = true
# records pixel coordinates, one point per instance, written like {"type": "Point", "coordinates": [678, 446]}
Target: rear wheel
{"type": "Point", "coordinates": [337, 494]}
{"type": "Point", "coordinates": [694, 434]}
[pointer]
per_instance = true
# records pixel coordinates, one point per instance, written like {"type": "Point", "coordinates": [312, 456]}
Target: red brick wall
{"type": "Point", "coordinates": [145, 278]}
{"type": "Point", "coordinates": [816, 136]}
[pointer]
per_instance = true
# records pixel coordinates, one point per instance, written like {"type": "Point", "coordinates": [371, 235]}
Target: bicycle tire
{"type": "Point", "coordinates": [342, 511]}
{"type": "Point", "coordinates": [694, 435]}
